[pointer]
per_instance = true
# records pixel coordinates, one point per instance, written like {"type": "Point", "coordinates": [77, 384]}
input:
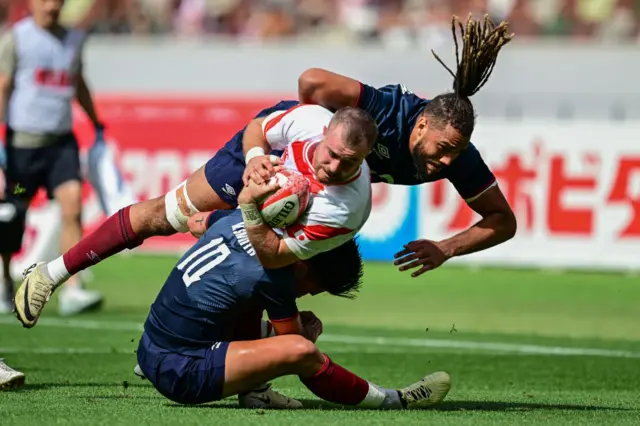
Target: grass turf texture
{"type": "Point", "coordinates": [79, 371]}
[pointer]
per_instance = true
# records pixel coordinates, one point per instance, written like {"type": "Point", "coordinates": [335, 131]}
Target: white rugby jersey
{"type": "Point", "coordinates": [336, 212]}
{"type": "Point", "coordinates": [45, 79]}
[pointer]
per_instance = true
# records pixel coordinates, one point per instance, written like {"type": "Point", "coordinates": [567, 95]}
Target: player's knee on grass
{"type": "Point", "coordinates": [301, 356]}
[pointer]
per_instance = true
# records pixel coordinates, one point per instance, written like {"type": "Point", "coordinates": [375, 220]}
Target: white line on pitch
{"type": "Point", "coordinates": [373, 340]}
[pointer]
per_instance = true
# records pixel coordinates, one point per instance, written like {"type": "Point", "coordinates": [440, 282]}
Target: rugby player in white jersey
{"type": "Point", "coordinates": [329, 150]}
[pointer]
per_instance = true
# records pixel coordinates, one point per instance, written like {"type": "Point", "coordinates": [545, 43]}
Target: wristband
{"type": "Point", "coordinates": [251, 215]}
{"type": "Point", "coordinates": [256, 151]}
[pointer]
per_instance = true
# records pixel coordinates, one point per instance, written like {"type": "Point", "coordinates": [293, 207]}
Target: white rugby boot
{"type": "Point", "coordinates": [73, 300]}
{"type": "Point", "coordinates": [429, 391]}
{"type": "Point", "coordinates": [266, 398]}
{"type": "Point", "coordinates": [10, 378]}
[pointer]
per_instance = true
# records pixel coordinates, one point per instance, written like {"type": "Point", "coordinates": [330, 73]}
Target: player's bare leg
{"type": "Point", "coordinates": [248, 364]}
{"type": "Point", "coordinates": [126, 229]}
{"type": "Point", "coordinates": [73, 299]}
{"type": "Point", "coordinates": [262, 396]}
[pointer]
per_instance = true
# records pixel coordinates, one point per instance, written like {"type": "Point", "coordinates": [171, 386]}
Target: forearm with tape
{"type": "Point", "coordinates": [251, 214]}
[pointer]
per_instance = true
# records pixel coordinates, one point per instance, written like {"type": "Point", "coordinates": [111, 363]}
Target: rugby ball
{"type": "Point", "coordinates": [285, 206]}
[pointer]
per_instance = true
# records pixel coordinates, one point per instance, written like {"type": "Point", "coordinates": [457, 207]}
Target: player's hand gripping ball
{"type": "Point", "coordinates": [285, 206]}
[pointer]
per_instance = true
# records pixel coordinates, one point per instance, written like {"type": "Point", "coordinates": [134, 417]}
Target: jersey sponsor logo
{"type": "Point", "coordinates": [54, 78]}
{"type": "Point", "coordinates": [92, 256]}
{"type": "Point", "coordinates": [27, 310]}
{"type": "Point", "coordinates": [381, 151]}
{"type": "Point", "coordinates": [228, 189]}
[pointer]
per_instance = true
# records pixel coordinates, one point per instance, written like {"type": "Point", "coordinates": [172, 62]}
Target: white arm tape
{"type": "Point", "coordinates": [256, 151]}
{"type": "Point", "coordinates": [192, 209]}
{"type": "Point", "coordinates": [175, 217]}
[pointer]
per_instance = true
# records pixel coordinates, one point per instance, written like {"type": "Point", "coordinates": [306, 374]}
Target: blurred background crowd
{"type": "Point", "coordinates": [400, 23]}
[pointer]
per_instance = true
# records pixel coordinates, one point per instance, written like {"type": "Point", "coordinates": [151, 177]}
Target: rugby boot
{"type": "Point", "coordinates": [10, 378]}
{"type": "Point", "coordinates": [266, 398]}
{"type": "Point", "coordinates": [429, 391]}
{"type": "Point", "coordinates": [34, 292]}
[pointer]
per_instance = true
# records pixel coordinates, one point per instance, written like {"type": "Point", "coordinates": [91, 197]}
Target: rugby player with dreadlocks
{"type": "Point", "coordinates": [424, 140]}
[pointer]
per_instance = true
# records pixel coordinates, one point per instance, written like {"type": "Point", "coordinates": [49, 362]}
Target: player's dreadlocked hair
{"type": "Point", "coordinates": [339, 270]}
{"type": "Point", "coordinates": [481, 43]}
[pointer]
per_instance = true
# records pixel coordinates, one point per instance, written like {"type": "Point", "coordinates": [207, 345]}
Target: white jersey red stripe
{"type": "Point", "coordinates": [336, 212]}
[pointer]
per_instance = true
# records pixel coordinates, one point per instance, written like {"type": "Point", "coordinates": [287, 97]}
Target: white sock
{"type": "Point", "coordinates": [374, 397]}
{"type": "Point", "coordinates": [379, 397]}
{"type": "Point", "coordinates": [57, 271]}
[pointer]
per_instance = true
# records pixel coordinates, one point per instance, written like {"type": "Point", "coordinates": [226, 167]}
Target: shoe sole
{"type": "Point", "coordinates": [18, 382]}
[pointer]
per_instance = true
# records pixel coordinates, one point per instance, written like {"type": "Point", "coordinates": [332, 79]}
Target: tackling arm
{"type": "Point", "coordinates": [330, 90]}
{"type": "Point", "coordinates": [498, 224]}
{"type": "Point", "coordinates": [254, 138]}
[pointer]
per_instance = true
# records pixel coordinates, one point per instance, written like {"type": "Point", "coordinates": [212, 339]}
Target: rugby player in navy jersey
{"type": "Point", "coordinates": [191, 349]}
{"type": "Point", "coordinates": [423, 140]}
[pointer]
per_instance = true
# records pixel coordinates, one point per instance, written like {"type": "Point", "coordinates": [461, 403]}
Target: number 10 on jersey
{"type": "Point", "coordinates": [202, 260]}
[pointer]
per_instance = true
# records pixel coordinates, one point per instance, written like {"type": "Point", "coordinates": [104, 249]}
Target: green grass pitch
{"type": "Point", "coordinates": [522, 347]}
